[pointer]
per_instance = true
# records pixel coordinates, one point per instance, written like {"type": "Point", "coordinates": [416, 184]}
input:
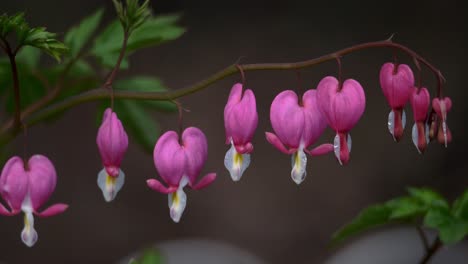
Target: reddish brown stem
{"type": "Point", "coordinates": [100, 93]}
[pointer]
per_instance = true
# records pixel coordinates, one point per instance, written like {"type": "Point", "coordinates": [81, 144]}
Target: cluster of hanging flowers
{"type": "Point", "coordinates": [298, 121]}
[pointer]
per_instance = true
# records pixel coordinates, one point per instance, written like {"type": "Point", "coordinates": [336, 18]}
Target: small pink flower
{"type": "Point", "coordinates": [442, 106]}
{"type": "Point", "coordinates": [240, 122]}
{"type": "Point", "coordinates": [420, 101]}
{"type": "Point", "coordinates": [397, 82]}
{"type": "Point", "coordinates": [297, 125]}
{"type": "Point", "coordinates": [179, 163]}
{"type": "Point", "coordinates": [342, 110]}
{"type": "Point", "coordinates": [112, 142]}
{"type": "Point", "coordinates": [26, 187]}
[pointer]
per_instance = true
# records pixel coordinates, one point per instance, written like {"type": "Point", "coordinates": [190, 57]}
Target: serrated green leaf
{"type": "Point", "coordinates": [370, 217]}
{"type": "Point", "coordinates": [451, 229]}
{"type": "Point", "coordinates": [29, 56]}
{"type": "Point", "coordinates": [406, 208]}
{"type": "Point", "coordinates": [428, 197]}
{"type": "Point", "coordinates": [147, 84]}
{"type": "Point", "coordinates": [133, 14]}
{"type": "Point", "coordinates": [46, 41]}
{"type": "Point", "coordinates": [79, 35]}
{"type": "Point", "coordinates": [460, 207]}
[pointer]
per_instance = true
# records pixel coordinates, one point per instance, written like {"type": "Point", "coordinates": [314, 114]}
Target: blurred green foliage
{"type": "Point", "coordinates": [87, 53]}
{"type": "Point", "coordinates": [421, 206]}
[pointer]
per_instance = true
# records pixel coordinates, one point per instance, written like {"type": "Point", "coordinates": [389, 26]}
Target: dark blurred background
{"type": "Point", "coordinates": [265, 213]}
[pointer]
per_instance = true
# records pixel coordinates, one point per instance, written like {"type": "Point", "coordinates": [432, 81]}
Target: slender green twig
{"type": "Point", "coordinates": [100, 93]}
{"type": "Point", "coordinates": [16, 86]}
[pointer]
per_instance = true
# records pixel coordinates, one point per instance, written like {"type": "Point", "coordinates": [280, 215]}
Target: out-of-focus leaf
{"type": "Point", "coordinates": [149, 256]}
{"type": "Point", "coordinates": [79, 35]}
{"type": "Point", "coordinates": [460, 207]}
{"type": "Point", "coordinates": [29, 56]}
{"type": "Point", "coordinates": [428, 197]}
{"type": "Point", "coordinates": [153, 32]}
{"type": "Point", "coordinates": [451, 230]}
{"type": "Point", "coordinates": [147, 84]}
{"type": "Point", "coordinates": [31, 89]}
{"type": "Point", "coordinates": [46, 41]}
{"type": "Point", "coordinates": [406, 208]}
{"type": "Point", "coordinates": [370, 217]}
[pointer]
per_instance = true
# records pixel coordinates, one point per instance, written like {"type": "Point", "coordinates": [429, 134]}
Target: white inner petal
{"type": "Point", "coordinates": [337, 148]}
{"type": "Point", "coordinates": [403, 119]}
{"type": "Point", "coordinates": [109, 185]}
{"type": "Point", "coordinates": [444, 129]}
{"type": "Point", "coordinates": [236, 163]}
{"type": "Point", "coordinates": [299, 163]}
{"type": "Point", "coordinates": [391, 123]}
{"type": "Point", "coordinates": [28, 235]}
{"type": "Point", "coordinates": [415, 136]}
{"type": "Point", "coordinates": [178, 201]}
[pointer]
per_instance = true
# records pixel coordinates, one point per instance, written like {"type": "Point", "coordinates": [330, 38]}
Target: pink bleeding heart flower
{"type": "Point", "coordinates": [342, 109]}
{"type": "Point", "coordinates": [26, 187]}
{"type": "Point", "coordinates": [112, 141]}
{"type": "Point", "coordinates": [179, 163]}
{"type": "Point", "coordinates": [442, 106]}
{"type": "Point", "coordinates": [240, 122]}
{"type": "Point", "coordinates": [397, 82]}
{"type": "Point", "coordinates": [297, 125]}
{"type": "Point", "coordinates": [420, 101]}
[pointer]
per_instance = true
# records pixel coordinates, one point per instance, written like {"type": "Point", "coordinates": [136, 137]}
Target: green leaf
{"type": "Point", "coordinates": [29, 56]}
{"type": "Point", "coordinates": [150, 256]}
{"type": "Point", "coordinates": [15, 23]}
{"type": "Point", "coordinates": [451, 230]}
{"type": "Point", "coordinates": [406, 208]}
{"type": "Point", "coordinates": [154, 31]}
{"type": "Point", "coordinates": [46, 41]}
{"type": "Point", "coordinates": [31, 89]}
{"type": "Point", "coordinates": [79, 35]}
{"type": "Point", "coordinates": [147, 84]}
{"type": "Point", "coordinates": [133, 14]}
{"type": "Point", "coordinates": [460, 207]}
{"type": "Point", "coordinates": [370, 217]}
{"type": "Point", "coordinates": [428, 197]}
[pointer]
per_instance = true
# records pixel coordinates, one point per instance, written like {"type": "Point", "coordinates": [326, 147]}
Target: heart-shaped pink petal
{"type": "Point", "coordinates": [342, 108]}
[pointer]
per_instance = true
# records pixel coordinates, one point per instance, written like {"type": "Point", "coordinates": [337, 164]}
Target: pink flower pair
{"type": "Point", "coordinates": [298, 123]}
{"type": "Point", "coordinates": [26, 187]}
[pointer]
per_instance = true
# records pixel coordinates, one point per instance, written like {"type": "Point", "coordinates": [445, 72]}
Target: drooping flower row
{"type": "Point", "coordinates": [297, 122]}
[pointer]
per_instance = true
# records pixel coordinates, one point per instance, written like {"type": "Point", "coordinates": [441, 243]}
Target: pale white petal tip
{"type": "Point", "coordinates": [109, 185]}
{"type": "Point", "coordinates": [444, 129]}
{"type": "Point", "coordinates": [415, 137]}
{"type": "Point", "coordinates": [29, 235]}
{"type": "Point", "coordinates": [178, 201]}
{"type": "Point", "coordinates": [236, 163]}
{"type": "Point", "coordinates": [391, 123]}
{"type": "Point", "coordinates": [337, 146]}
{"type": "Point", "coordinates": [298, 163]}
